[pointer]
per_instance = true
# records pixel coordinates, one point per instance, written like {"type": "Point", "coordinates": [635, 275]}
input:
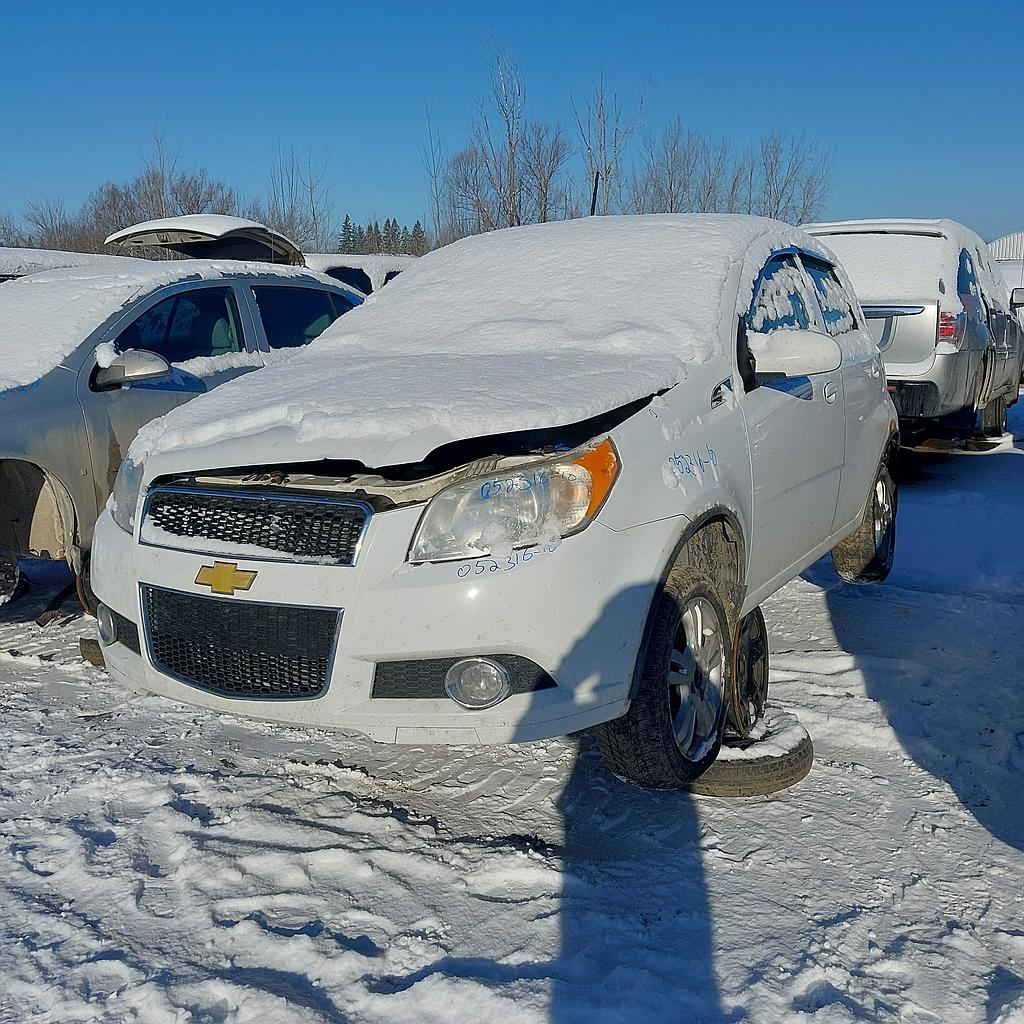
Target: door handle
{"type": "Point", "coordinates": [830, 392]}
{"type": "Point", "coordinates": [718, 392]}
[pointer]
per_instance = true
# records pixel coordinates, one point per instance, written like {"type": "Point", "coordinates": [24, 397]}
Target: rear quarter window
{"type": "Point", "coordinates": [293, 317]}
{"type": "Point", "coordinates": [836, 306]}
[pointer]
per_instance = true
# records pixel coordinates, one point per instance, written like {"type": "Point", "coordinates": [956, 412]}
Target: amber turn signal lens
{"type": "Point", "coordinates": [602, 463]}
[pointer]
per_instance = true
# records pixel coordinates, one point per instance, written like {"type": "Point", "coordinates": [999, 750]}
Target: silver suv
{"type": "Point", "coordinates": [89, 355]}
{"type": "Point", "coordinates": [942, 317]}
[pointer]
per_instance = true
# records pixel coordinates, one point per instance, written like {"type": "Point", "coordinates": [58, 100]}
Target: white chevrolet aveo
{"type": "Point", "coordinates": [540, 484]}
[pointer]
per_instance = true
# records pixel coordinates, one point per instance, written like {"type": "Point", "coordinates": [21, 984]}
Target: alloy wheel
{"type": "Point", "coordinates": [696, 679]}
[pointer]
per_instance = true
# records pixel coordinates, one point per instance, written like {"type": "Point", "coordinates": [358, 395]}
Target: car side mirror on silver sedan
{"type": "Point", "coordinates": [1017, 298]}
{"type": "Point", "coordinates": [794, 353]}
{"type": "Point", "coordinates": [131, 367]}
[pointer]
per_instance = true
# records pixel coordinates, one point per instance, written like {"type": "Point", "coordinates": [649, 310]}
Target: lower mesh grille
{"type": "Point", "coordinates": [412, 680]}
{"type": "Point", "coordinates": [240, 648]}
{"type": "Point", "coordinates": [125, 631]}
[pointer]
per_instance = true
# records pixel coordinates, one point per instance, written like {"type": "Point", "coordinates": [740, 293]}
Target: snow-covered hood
{"type": "Point", "coordinates": [520, 329]}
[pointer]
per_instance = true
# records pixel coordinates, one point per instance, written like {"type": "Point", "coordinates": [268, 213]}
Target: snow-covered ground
{"type": "Point", "coordinates": [164, 864]}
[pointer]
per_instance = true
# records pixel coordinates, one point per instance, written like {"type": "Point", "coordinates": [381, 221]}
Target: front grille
{"type": "Point", "coordinates": [240, 648]}
{"type": "Point", "coordinates": [303, 528]}
{"type": "Point", "coordinates": [412, 680]}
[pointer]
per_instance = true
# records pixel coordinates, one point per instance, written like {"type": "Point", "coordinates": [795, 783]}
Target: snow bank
{"type": "Point", "coordinates": [46, 316]}
{"type": "Point", "coordinates": [518, 329]}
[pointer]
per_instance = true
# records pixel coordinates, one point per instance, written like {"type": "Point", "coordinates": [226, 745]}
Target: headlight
{"type": "Point", "coordinates": [125, 498]}
{"type": "Point", "coordinates": [527, 505]}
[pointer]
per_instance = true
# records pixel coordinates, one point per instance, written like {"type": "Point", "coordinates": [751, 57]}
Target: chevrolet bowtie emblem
{"type": "Point", "coordinates": [225, 577]}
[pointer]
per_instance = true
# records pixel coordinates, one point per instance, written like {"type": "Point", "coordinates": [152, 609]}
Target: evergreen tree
{"type": "Point", "coordinates": [373, 237]}
{"type": "Point", "coordinates": [347, 236]}
{"type": "Point", "coordinates": [404, 241]}
{"type": "Point", "coordinates": [418, 244]}
{"type": "Point", "coordinates": [359, 240]}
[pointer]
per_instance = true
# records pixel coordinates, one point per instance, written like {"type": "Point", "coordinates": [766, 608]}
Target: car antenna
{"type": "Point", "coordinates": [593, 195]}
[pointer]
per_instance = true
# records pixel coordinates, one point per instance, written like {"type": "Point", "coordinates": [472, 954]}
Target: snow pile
{"type": "Point", "coordinates": [46, 316]}
{"type": "Point", "coordinates": [105, 352]}
{"type": "Point", "coordinates": [524, 328]}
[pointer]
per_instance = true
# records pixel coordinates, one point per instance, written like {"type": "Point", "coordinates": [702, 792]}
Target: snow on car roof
{"type": "Point", "coordinates": [900, 260]}
{"type": "Point", "coordinates": [940, 227]}
{"type": "Point", "coordinates": [16, 262]}
{"type": "Point", "coordinates": [518, 329]}
{"type": "Point", "coordinates": [376, 266]}
{"type": "Point", "coordinates": [44, 317]}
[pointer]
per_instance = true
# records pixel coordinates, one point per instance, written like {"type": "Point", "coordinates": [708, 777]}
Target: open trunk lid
{"type": "Point", "coordinates": [212, 236]}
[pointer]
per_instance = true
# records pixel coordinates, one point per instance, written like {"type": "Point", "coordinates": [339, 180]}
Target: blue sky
{"type": "Point", "coordinates": [923, 117]}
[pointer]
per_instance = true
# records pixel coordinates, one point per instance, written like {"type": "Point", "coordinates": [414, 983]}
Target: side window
{"type": "Point", "coordinates": [836, 306]}
{"type": "Point", "coordinates": [193, 324]}
{"type": "Point", "coordinates": [294, 316]}
{"type": "Point", "coordinates": [967, 283]}
{"type": "Point", "coordinates": [782, 300]}
{"type": "Point", "coordinates": [353, 277]}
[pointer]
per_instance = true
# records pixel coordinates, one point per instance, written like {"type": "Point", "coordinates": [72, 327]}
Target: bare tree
{"type": "Point", "coordinates": [605, 131]}
{"type": "Point", "coordinates": [545, 153]}
{"type": "Point", "coordinates": [297, 203]}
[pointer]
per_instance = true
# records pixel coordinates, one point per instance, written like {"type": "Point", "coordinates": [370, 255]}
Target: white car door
{"type": "Point", "coordinates": [796, 433]}
{"type": "Point", "coordinates": [868, 413]}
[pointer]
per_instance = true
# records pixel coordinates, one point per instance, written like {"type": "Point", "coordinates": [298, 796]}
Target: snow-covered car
{"type": "Point", "coordinates": [942, 315]}
{"type": "Point", "coordinates": [585, 453]}
{"type": "Point", "coordinates": [17, 262]}
{"type": "Point", "coordinates": [367, 273]}
{"type": "Point", "coordinates": [89, 355]}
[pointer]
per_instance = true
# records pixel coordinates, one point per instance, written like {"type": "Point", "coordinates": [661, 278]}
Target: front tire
{"type": "Point", "coordinates": [866, 555]}
{"type": "Point", "coordinates": [673, 729]}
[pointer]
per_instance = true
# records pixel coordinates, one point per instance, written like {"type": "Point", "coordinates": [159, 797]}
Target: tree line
{"type": "Point", "coordinates": [507, 169]}
{"type": "Point", "coordinates": [512, 169]}
{"type": "Point", "coordinates": [391, 238]}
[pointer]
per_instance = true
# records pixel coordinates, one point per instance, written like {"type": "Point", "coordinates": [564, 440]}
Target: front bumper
{"type": "Point", "coordinates": [577, 612]}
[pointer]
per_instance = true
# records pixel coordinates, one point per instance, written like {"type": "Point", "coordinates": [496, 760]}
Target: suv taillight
{"type": "Point", "coordinates": [951, 327]}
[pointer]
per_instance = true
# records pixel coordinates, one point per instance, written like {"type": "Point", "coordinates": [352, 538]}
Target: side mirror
{"type": "Point", "coordinates": [1017, 298]}
{"type": "Point", "coordinates": [795, 353]}
{"type": "Point", "coordinates": [137, 364]}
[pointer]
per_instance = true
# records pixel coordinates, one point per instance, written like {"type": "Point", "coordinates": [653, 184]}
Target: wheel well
{"type": "Point", "coordinates": [37, 515]}
{"type": "Point", "coordinates": [714, 543]}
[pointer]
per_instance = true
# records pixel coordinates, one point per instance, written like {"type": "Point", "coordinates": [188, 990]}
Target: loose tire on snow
{"type": "Point", "coordinates": [866, 555]}
{"type": "Point", "coordinates": [741, 771]}
{"type": "Point", "coordinates": [673, 729]}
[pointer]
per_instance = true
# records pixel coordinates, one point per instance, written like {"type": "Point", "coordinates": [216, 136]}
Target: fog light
{"type": "Point", "coordinates": [477, 683]}
{"type": "Point", "coordinates": [105, 621]}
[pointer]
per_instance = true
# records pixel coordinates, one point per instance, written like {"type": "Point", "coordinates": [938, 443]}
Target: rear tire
{"type": "Point", "coordinates": [673, 729]}
{"type": "Point", "coordinates": [866, 555]}
{"type": "Point", "coordinates": [993, 418]}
